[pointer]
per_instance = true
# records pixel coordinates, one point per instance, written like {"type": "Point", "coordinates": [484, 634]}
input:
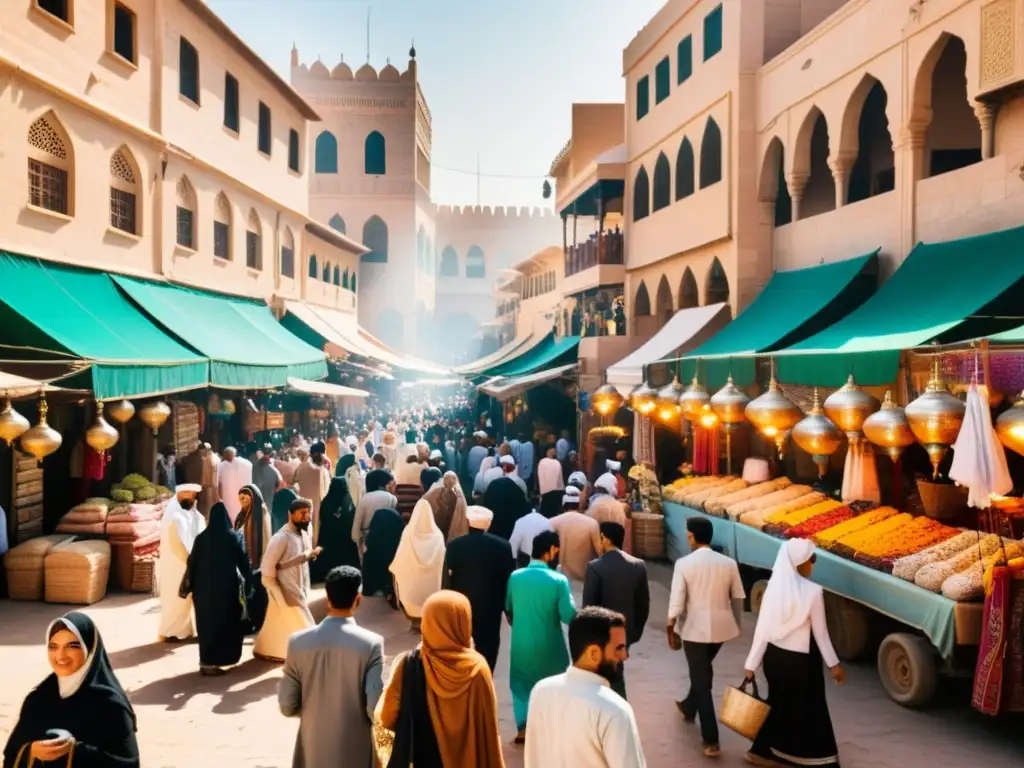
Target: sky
{"type": "Point", "coordinates": [499, 77]}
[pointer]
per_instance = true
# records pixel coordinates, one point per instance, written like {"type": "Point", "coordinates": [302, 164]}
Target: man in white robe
{"type": "Point", "coordinates": [180, 525]}
{"type": "Point", "coordinates": [233, 474]}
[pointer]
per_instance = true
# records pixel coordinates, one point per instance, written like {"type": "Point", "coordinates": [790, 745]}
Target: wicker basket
{"type": "Point", "coordinates": [743, 712]}
{"type": "Point", "coordinates": [144, 579]}
{"type": "Point", "coordinates": [24, 566]}
{"type": "Point", "coordinates": [942, 501]}
{"type": "Point", "coordinates": [648, 535]}
{"type": "Point", "coordinates": [131, 572]}
{"type": "Point", "coordinates": [77, 573]}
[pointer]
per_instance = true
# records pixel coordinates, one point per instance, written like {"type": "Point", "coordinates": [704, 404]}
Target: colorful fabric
{"type": "Point", "coordinates": [999, 675]}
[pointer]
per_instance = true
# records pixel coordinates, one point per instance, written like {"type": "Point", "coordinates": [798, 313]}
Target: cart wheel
{"type": "Point", "coordinates": [906, 666]}
{"type": "Point", "coordinates": [757, 595]}
{"type": "Point", "coordinates": [847, 626]}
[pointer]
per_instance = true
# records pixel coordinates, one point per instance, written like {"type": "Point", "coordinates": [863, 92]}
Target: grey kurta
{"type": "Point", "coordinates": [332, 681]}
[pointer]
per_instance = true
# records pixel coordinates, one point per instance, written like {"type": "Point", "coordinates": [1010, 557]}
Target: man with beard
{"type": "Point", "coordinates": [180, 526]}
{"type": "Point", "coordinates": [575, 717]}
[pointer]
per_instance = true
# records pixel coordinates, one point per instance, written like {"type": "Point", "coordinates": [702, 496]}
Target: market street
{"type": "Point", "coordinates": [186, 719]}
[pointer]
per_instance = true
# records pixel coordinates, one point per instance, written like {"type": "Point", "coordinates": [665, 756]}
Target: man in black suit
{"type": "Point", "coordinates": [618, 581]}
{"type": "Point", "coordinates": [478, 565]}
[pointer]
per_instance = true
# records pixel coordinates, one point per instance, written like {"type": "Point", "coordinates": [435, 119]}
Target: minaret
{"type": "Point", "coordinates": [295, 55]}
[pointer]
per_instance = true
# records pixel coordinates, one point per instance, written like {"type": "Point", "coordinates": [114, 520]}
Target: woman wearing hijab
{"type": "Point", "coordinates": [440, 701]}
{"type": "Point", "coordinates": [382, 535]}
{"type": "Point", "coordinates": [279, 512]}
{"type": "Point", "coordinates": [791, 640]}
{"type": "Point", "coordinates": [337, 513]}
{"type": "Point", "coordinates": [218, 570]}
{"type": "Point", "coordinates": [419, 562]}
{"type": "Point", "coordinates": [80, 714]}
{"type": "Point", "coordinates": [348, 470]}
{"type": "Point", "coordinates": [449, 506]}
{"type": "Point", "coordinates": [253, 522]}
{"type": "Point", "coordinates": [430, 476]}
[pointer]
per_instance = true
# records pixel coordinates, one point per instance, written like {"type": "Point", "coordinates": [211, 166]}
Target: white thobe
{"type": "Point", "coordinates": [576, 719]}
{"type": "Point", "coordinates": [287, 591]}
{"type": "Point", "coordinates": [178, 531]}
{"type": "Point", "coordinates": [526, 530]}
{"type": "Point", "coordinates": [232, 476]}
{"type": "Point", "coordinates": [549, 476]}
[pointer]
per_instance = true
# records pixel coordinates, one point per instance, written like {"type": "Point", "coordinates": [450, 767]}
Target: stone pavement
{"type": "Point", "coordinates": [188, 720]}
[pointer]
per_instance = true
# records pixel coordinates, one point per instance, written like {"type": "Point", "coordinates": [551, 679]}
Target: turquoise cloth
{"type": "Point", "coordinates": [540, 602]}
{"type": "Point", "coordinates": [926, 611]}
{"type": "Point", "coordinates": [676, 542]}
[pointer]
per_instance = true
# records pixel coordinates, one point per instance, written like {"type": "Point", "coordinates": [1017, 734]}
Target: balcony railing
{"type": "Point", "coordinates": [598, 249]}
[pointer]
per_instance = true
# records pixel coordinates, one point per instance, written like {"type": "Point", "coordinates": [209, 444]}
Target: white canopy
{"type": "Point", "coordinates": [324, 388]}
{"type": "Point", "coordinates": [687, 329]}
{"type": "Point", "coordinates": [504, 388]}
{"type": "Point", "coordinates": [14, 386]}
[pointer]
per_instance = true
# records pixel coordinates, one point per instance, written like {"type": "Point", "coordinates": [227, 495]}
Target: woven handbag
{"type": "Point", "coordinates": [744, 712]}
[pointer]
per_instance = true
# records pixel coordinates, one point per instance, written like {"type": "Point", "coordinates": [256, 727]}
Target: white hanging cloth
{"type": "Point", "coordinates": [979, 461]}
{"type": "Point", "coordinates": [860, 475]}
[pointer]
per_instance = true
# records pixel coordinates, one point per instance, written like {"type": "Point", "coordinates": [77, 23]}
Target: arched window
{"type": "Point", "coordinates": [344, 279]}
{"type": "Point", "coordinates": [337, 275]}
{"type": "Point", "coordinates": [662, 182]}
{"type": "Point", "coordinates": [449, 262]}
{"type": "Point", "coordinates": [375, 155]}
{"type": "Point", "coordinates": [663, 302]}
{"type": "Point", "coordinates": [327, 272]}
{"type": "Point", "coordinates": [684, 170]}
{"type": "Point", "coordinates": [287, 254]}
{"type": "Point", "coordinates": [313, 272]}
{"type": "Point", "coordinates": [953, 140]}
{"type": "Point", "coordinates": [711, 155]}
{"type": "Point", "coordinates": [50, 166]}
{"type": "Point", "coordinates": [716, 287]}
{"type": "Point", "coordinates": [375, 237]}
{"type": "Point", "coordinates": [475, 266]}
{"type": "Point", "coordinates": [642, 302]}
{"type": "Point", "coordinates": [641, 195]}
{"type": "Point", "coordinates": [254, 242]}
{"type": "Point", "coordinates": [688, 297]}
{"type": "Point", "coordinates": [222, 228]}
{"type": "Point", "coordinates": [338, 224]}
{"type": "Point", "coordinates": [185, 219]}
{"type": "Point", "coordinates": [326, 153]}
{"type": "Point", "coordinates": [124, 189]}
{"type": "Point", "coordinates": [352, 283]}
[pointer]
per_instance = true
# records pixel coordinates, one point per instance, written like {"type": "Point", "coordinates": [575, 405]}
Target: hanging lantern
{"type": "Point", "coordinates": [1010, 426]}
{"type": "Point", "coordinates": [848, 408]}
{"type": "Point", "coordinates": [606, 400]}
{"type": "Point", "coordinates": [642, 399]}
{"type": "Point", "coordinates": [12, 424]}
{"type": "Point", "coordinates": [773, 414]}
{"type": "Point", "coordinates": [935, 418]}
{"type": "Point", "coordinates": [121, 412]}
{"type": "Point", "coordinates": [42, 439]}
{"type": "Point", "coordinates": [693, 401]}
{"type": "Point", "coordinates": [667, 402]}
{"type": "Point", "coordinates": [817, 435]}
{"type": "Point", "coordinates": [707, 418]}
{"type": "Point", "coordinates": [730, 403]}
{"type": "Point", "coordinates": [154, 414]}
{"type": "Point", "coordinates": [888, 428]}
{"type": "Point", "coordinates": [101, 436]}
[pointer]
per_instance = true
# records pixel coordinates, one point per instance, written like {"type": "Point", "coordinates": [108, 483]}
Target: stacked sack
{"type": "Point", "coordinates": [138, 525]}
{"type": "Point", "coordinates": [89, 517]}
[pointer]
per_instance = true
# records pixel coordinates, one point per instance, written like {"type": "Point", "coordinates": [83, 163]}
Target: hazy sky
{"type": "Point", "coordinates": [499, 76]}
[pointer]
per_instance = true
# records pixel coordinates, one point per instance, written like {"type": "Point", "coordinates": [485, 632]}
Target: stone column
{"type": "Point", "coordinates": [797, 183]}
{"type": "Point", "coordinates": [986, 114]}
{"type": "Point", "coordinates": [910, 159]}
{"type": "Point", "coordinates": [841, 165]}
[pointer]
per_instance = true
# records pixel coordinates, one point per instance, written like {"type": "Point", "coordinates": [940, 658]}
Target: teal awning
{"type": "Point", "coordinates": [52, 311]}
{"type": "Point", "coordinates": [945, 292]}
{"type": "Point", "coordinates": [550, 352]}
{"type": "Point", "coordinates": [247, 347]}
{"type": "Point", "coordinates": [794, 305]}
{"type": "Point", "coordinates": [604, 190]}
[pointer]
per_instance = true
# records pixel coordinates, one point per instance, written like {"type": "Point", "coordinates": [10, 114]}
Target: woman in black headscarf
{"type": "Point", "coordinates": [78, 714]}
{"type": "Point", "coordinates": [253, 522]}
{"type": "Point", "coordinates": [218, 575]}
{"type": "Point", "coordinates": [382, 538]}
{"type": "Point", "coordinates": [337, 513]}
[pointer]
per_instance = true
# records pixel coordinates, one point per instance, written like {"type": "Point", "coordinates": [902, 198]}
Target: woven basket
{"type": "Point", "coordinates": [77, 573]}
{"type": "Point", "coordinates": [942, 501]}
{"type": "Point", "coordinates": [648, 535]}
{"type": "Point", "coordinates": [24, 566]}
{"type": "Point", "coordinates": [743, 712]}
{"type": "Point", "coordinates": [144, 580]}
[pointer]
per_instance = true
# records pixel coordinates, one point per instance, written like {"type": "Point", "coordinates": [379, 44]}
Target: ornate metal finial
{"type": "Point", "coordinates": [412, 50]}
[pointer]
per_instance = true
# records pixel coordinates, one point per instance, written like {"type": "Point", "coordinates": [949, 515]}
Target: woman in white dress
{"type": "Point", "coordinates": [419, 561]}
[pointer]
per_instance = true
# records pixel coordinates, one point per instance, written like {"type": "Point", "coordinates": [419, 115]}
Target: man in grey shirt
{"type": "Point", "coordinates": [332, 681]}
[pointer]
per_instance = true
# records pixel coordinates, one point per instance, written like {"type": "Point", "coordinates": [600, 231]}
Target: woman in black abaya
{"type": "Point", "coordinates": [218, 575]}
{"type": "Point", "coordinates": [337, 513]}
{"type": "Point", "coordinates": [80, 714]}
{"type": "Point", "coordinates": [382, 539]}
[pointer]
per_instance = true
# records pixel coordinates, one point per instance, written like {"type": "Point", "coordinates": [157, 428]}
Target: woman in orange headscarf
{"type": "Point", "coordinates": [440, 704]}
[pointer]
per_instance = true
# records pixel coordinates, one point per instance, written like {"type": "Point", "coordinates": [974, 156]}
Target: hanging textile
{"type": "Point", "coordinates": [979, 461]}
{"type": "Point", "coordinates": [705, 450]}
{"type": "Point", "coordinates": [643, 440]}
{"type": "Point", "coordinates": [860, 474]}
{"type": "Point", "coordinates": [999, 675]}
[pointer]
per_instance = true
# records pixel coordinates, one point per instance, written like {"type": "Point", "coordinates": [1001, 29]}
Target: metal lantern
{"type": "Point", "coordinates": [642, 399]}
{"type": "Point", "coordinates": [817, 435]}
{"type": "Point", "coordinates": [707, 418]}
{"type": "Point", "coordinates": [606, 400]}
{"type": "Point", "coordinates": [101, 436]}
{"type": "Point", "coordinates": [1010, 426]}
{"type": "Point", "coordinates": [153, 415]}
{"type": "Point", "coordinates": [773, 414]}
{"type": "Point", "coordinates": [935, 418]}
{"type": "Point", "coordinates": [849, 407]}
{"type": "Point", "coordinates": [121, 412]}
{"type": "Point", "coordinates": [42, 439]}
{"type": "Point", "coordinates": [730, 403]}
{"type": "Point", "coordinates": [667, 402]}
{"type": "Point", "coordinates": [889, 429]}
{"type": "Point", "coordinates": [12, 424]}
{"type": "Point", "coordinates": [694, 400]}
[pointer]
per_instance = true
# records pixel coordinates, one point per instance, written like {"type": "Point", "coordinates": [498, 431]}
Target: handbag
{"type": "Point", "coordinates": [743, 712]}
{"type": "Point", "coordinates": [185, 587]}
{"type": "Point", "coordinates": [32, 761]}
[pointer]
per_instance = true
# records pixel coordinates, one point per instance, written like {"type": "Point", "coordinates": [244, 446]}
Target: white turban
{"type": "Point", "coordinates": [578, 479]}
{"type": "Point", "coordinates": [508, 460]}
{"type": "Point", "coordinates": [613, 466]}
{"type": "Point", "coordinates": [479, 517]}
{"type": "Point", "coordinates": [572, 495]}
{"type": "Point", "coordinates": [188, 488]}
{"type": "Point", "coordinates": [608, 483]}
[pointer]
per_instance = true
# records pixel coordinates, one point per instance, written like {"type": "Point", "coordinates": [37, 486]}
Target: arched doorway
{"type": "Point", "coordinates": [953, 140]}
{"type": "Point", "coordinates": [820, 192]}
{"type": "Point", "coordinates": [874, 171]}
{"type": "Point", "coordinates": [773, 184]}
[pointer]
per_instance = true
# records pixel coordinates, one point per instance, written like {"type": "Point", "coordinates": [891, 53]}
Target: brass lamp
{"type": "Point", "coordinates": [121, 412]}
{"type": "Point", "coordinates": [730, 403]}
{"type": "Point", "coordinates": [817, 435]}
{"type": "Point", "coordinates": [606, 400]}
{"type": "Point", "coordinates": [848, 408]}
{"type": "Point", "coordinates": [101, 436]}
{"type": "Point", "coordinates": [889, 429]}
{"type": "Point", "coordinates": [1010, 426]}
{"type": "Point", "coordinates": [154, 414]}
{"type": "Point", "coordinates": [12, 424]}
{"type": "Point", "coordinates": [774, 415]}
{"type": "Point", "coordinates": [693, 402]}
{"type": "Point", "coordinates": [708, 418]}
{"type": "Point", "coordinates": [642, 399]}
{"type": "Point", "coordinates": [667, 402]}
{"type": "Point", "coordinates": [42, 439]}
{"type": "Point", "coordinates": [935, 418]}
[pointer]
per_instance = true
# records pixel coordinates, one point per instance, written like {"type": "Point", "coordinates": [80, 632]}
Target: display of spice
{"type": "Point", "coordinates": [969, 584]}
{"type": "Point", "coordinates": [858, 541]}
{"type": "Point", "coordinates": [697, 498]}
{"type": "Point", "coordinates": [719, 505]}
{"type": "Point", "coordinates": [737, 510]}
{"type": "Point", "coordinates": [788, 518]}
{"type": "Point", "coordinates": [932, 576]}
{"type": "Point", "coordinates": [907, 567]}
{"type": "Point", "coordinates": [828, 537]}
{"type": "Point", "coordinates": [810, 528]}
{"type": "Point", "coordinates": [919, 533]}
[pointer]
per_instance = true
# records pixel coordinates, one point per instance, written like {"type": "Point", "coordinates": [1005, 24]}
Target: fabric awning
{"type": "Point", "coordinates": [247, 347]}
{"type": "Point", "coordinates": [504, 388]}
{"type": "Point", "coordinates": [945, 292]}
{"type": "Point", "coordinates": [794, 305]}
{"type": "Point", "coordinates": [324, 388]}
{"type": "Point", "coordinates": [14, 386]}
{"type": "Point", "coordinates": [496, 357]}
{"type": "Point", "coordinates": [56, 312]}
{"type": "Point", "coordinates": [550, 352]}
{"type": "Point", "coordinates": [602, 190]}
{"type": "Point", "coordinates": [685, 330]}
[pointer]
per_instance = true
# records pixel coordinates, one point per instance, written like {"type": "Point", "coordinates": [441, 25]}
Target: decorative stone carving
{"type": "Point", "coordinates": [998, 42]}
{"type": "Point", "coordinates": [357, 102]}
{"type": "Point", "coordinates": [45, 138]}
